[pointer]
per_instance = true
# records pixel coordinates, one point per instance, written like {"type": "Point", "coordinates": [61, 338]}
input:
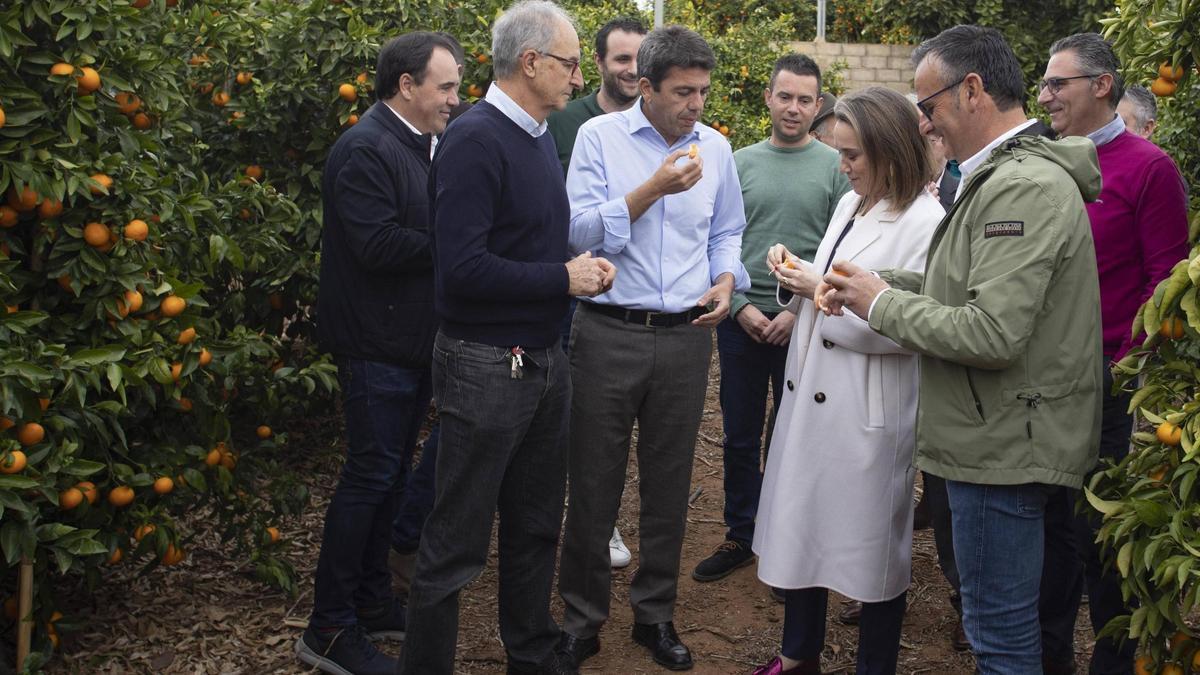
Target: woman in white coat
{"type": "Point", "coordinates": [836, 505]}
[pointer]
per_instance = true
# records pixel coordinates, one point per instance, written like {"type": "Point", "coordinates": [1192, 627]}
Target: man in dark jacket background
{"type": "Point", "coordinates": [375, 308]}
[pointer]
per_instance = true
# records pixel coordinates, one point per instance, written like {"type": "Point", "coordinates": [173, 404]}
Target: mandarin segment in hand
{"type": "Point", "coordinates": [693, 151]}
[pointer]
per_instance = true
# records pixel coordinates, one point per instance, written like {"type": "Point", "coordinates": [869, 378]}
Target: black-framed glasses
{"type": "Point", "coordinates": [1055, 84]}
{"type": "Point", "coordinates": [573, 64]}
{"type": "Point", "coordinates": [923, 106]}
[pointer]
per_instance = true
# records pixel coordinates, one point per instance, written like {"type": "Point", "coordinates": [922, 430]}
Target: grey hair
{"type": "Point", "coordinates": [529, 24]}
{"type": "Point", "coordinates": [1145, 107]}
{"type": "Point", "coordinates": [1095, 56]}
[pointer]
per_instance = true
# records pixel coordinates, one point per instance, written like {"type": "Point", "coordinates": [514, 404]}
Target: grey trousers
{"type": "Point", "coordinates": [622, 372]}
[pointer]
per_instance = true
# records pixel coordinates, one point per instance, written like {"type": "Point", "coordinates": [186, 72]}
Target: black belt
{"type": "Point", "coordinates": [647, 318]}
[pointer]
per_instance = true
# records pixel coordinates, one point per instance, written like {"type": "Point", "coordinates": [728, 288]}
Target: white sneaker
{"type": "Point", "coordinates": [617, 551]}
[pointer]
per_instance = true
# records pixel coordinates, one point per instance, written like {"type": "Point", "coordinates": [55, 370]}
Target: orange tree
{"type": "Point", "coordinates": [130, 382]}
{"type": "Point", "coordinates": [1149, 500]}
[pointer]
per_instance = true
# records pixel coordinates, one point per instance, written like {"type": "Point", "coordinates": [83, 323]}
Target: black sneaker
{"type": "Point", "coordinates": [724, 559]}
{"type": "Point", "coordinates": [385, 623]}
{"type": "Point", "coordinates": [346, 652]}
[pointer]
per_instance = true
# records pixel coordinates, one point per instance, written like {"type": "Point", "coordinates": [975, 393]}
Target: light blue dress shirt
{"type": "Point", "coordinates": [673, 254]}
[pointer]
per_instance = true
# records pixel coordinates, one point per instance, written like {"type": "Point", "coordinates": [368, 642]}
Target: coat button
{"type": "Point", "coordinates": [819, 397]}
{"type": "Point", "coordinates": [791, 387]}
{"type": "Point", "coordinates": [827, 344]}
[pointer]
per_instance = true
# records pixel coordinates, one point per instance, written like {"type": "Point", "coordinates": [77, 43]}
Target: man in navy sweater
{"type": "Point", "coordinates": [502, 280]}
{"type": "Point", "coordinates": [375, 305]}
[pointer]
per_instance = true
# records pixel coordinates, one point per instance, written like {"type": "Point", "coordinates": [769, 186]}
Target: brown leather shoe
{"type": "Point", "coordinates": [958, 638]}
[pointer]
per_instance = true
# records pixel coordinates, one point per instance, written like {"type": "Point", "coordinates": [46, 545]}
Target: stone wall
{"type": "Point", "coordinates": [866, 64]}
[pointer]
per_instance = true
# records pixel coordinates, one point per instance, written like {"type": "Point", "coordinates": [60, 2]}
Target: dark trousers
{"type": "Point", "coordinates": [502, 448]}
{"type": "Point", "coordinates": [748, 369]}
{"type": "Point", "coordinates": [878, 629]}
{"type": "Point", "coordinates": [1103, 585]}
{"type": "Point", "coordinates": [384, 405]}
{"type": "Point", "coordinates": [943, 533]}
{"type": "Point", "coordinates": [629, 373]}
{"type": "Point", "coordinates": [417, 500]}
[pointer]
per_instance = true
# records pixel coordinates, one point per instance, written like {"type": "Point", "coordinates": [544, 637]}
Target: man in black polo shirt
{"type": "Point", "coordinates": [502, 279]}
{"type": "Point", "coordinates": [375, 307]}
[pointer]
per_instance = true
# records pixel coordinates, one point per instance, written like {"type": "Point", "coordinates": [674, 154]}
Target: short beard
{"type": "Point", "coordinates": [612, 89]}
{"type": "Point", "coordinates": [778, 132]}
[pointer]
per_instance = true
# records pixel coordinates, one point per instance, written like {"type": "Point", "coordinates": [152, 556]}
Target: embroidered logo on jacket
{"type": "Point", "coordinates": [1007, 228]}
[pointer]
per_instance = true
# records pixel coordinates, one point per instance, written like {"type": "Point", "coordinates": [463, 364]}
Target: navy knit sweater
{"type": "Point", "coordinates": [500, 218]}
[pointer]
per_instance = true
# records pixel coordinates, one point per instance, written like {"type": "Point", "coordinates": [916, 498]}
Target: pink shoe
{"type": "Point", "coordinates": [775, 667]}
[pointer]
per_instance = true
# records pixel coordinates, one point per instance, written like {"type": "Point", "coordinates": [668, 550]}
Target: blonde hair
{"type": "Point", "coordinates": [890, 134]}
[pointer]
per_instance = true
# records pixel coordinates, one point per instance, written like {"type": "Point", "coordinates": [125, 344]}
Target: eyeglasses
{"type": "Point", "coordinates": [1055, 84]}
{"type": "Point", "coordinates": [573, 64]}
{"type": "Point", "coordinates": [923, 106]}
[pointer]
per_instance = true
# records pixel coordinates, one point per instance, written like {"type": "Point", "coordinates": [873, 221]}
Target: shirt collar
{"type": "Point", "coordinates": [1108, 132]}
{"type": "Point", "coordinates": [638, 121]}
{"type": "Point", "coordinates": [504, 103]}
{"type": "Point", "coordinates": [966, 167]}
{"type": "Point", "coordinates": [433, 139]}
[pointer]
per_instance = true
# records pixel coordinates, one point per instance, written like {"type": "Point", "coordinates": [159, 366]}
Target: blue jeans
{"type": "Point", "coordinates": [747, 369]}
{"type": "Point", "coordinates": [502, 449]}
{"type": "Point", "coordinates": [417, 500]}
{"type": "Point", "coordinates": [998, 545]}
{"type": "Point", "coordinates": [384, 405]}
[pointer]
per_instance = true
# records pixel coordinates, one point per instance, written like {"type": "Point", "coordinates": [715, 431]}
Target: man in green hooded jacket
{"type": "Point", "coordinates": [1006, 320]}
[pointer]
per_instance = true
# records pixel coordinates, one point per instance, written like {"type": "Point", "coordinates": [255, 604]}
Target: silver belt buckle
{"type": "Point", "coordinates": [650, 317]}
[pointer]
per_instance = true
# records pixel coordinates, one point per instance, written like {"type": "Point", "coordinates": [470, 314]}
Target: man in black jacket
{"type": "Point", "coordinates": [375, 308]}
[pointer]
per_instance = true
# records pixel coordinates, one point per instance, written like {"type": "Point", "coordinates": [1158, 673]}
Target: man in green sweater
{"type": "Point", "coordinates": [617, 44]}
{"type": "Point", "coordinates": [791, 184]}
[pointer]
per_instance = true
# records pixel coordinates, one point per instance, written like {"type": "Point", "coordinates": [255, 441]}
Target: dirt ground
{"type": "Point", "coordinates": [208, 615]}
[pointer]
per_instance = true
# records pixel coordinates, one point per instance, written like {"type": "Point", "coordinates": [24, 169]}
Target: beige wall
{"type": "Point", "coordinates": [886, 65]}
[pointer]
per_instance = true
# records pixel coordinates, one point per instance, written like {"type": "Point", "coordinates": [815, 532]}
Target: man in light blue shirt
{"type": "Point", "coordinates": [659, 196]}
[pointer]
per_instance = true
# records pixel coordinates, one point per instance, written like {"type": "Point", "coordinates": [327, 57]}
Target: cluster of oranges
{"type": "Point", "coordinates": [1168, 79]}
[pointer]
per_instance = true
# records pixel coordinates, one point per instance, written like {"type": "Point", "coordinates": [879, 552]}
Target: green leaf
{"type": "Point", "coordinates": [17, 482]}
{"type": "Point", "coordinates": [1123, 558]}
{"type": "Point", "coordinates": [82, 468]}
{"type": "Point", "coordinates": [1106, 507]}
{"type": "Point", "coordinates": [98, 355]}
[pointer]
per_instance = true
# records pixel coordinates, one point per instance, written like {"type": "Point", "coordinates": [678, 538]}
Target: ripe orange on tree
{"type": "Point", "coordinates": [245, 77]}
{"type": "Point", "coordinates": [70, 498]}
{"type": "Point", "coordinates": [120, 496]}
{"type": "Point", "coordinates": [30, 433]}
{"type": "Point", "coordinates": [8, 216]}
{"type": "Point", "coordinates": [351, 120]}
{"type": "Point", "coordinates": [3, 118]}
{"type": "Point", "coordinates": [1144, 665]}
{"type": "Point", "coordinates": [115, 556]}
{"type": "Point", "coordinates": [186, 336]}
{"type": "Point", "coordinates": [133, 300]}
{"type": "Point", "coordinates": [213, 457]}
{"type": "Point", "coordinates": [172, 306]}
{"type": "Point", "coordinates": [163, 485]}
{"type": "Point", "coordinates": [104, 181]}
{"type": "Point", "coordinates": [176, 370]}
{"type": "Point", "coordinates": [1171, 328]}
{"type": "Point", "coordinates": [1168, 72]}
{"type": "Point", "coordinates": [96, 235]}
{"type": "Point", "coordinates": [62, 68]}
{"type": "Point", "coordinates": [137, 230]}
{"type": "Point", "coordinates": [142, 121]}
{"type": "Point", "coordinates": [348, 92]}
{"type": "Point", "coordinates": [12, 462]}
{"type": "Point", "coordinates": [88, 488]}
{"type": "Point", "coordinates": [229, 460]}
{"type": "Point", "coordinates": [185, 404]}
{"type": "Point", "coordinates": [1168, 434]}
{"type": "Point", "coordinates": [254, 171]}
{"type": "Point", "coordinates": [1163, 87]}
{"type": "Point", "coordinates": [221, 99]}
{"type": "Point", "coordinates": [173, 556]}
{"type": "Point", "coordinates": [88, 81]}
{"type": "Point", "coordinates": [143, 531]}
{"type": "Point", "coordinates": [205, 357]}
{"type": "Point", "coordinates": [6, 423]}
{"type": "Point", "coordinates": [263, 432]}
{"type": "Point", "coordinates": [25, 200]}
{"type": "Point", "coordinates": [361, 78]}
{"type": "Point", "coordinates": [127, 102]}
{"type": "Point", "coordinates": [50, 208]}
{"type": "Point", "coordinates": [273, 533]}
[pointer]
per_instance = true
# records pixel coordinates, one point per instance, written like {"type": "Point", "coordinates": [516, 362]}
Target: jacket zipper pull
{"type": "Point", "coordinates": [1031, 400]}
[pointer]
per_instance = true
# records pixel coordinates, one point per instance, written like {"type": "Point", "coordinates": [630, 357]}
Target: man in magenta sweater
{"type": "Point", "coordinates": [1139, 225]}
